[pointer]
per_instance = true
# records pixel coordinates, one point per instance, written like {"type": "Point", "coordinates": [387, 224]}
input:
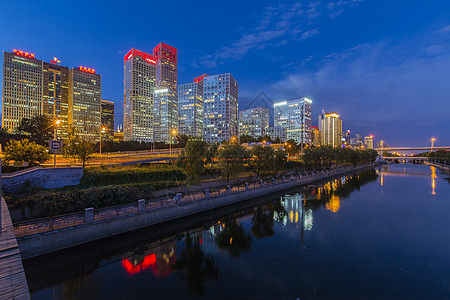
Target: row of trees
{"type": "Point", "coordinates": [440, 156]}
{"type": "Point", "coordinates": [229, 157]}
{"type": "Point", "coordinates": [325, 156]}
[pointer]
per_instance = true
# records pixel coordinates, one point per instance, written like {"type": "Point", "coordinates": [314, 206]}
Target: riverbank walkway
{"type": "Point", "coordinates": [27, 229]}
{"type": "Point", "coordinates": [13, 284]}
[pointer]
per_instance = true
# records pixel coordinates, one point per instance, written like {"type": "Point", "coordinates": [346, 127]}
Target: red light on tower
{"type": "Point", "coordinates": [88, 70]}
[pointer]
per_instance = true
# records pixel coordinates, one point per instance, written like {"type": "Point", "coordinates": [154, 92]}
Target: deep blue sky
{"type": "Point", "coordinates": [383, 65]}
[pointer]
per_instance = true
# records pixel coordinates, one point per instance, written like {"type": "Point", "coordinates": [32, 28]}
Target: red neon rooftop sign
{"type": "Point", "coordinates": [162, 51]}
{"type": "Point", "coordinates": [200, 78]}
{"type": "Point", "coordinates": [88, 70]}
{"type": "Point", "coordinates": [24, 54]}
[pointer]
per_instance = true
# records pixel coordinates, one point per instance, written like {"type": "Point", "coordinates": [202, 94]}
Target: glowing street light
{"type": "Point", "coordinates": [102, 130]}
{"type": "Point", "coordinates": [57, 122]}
{"type": "Point", "coordinates": [432, 143]}
{"type": "Point", "coordinates": [173, 132]}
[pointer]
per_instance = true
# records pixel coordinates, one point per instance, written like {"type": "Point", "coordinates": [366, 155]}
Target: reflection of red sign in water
{"type": "Point", "coordinates": [131, 269]}
{"type": "Point", "coordinates": [161, 266]}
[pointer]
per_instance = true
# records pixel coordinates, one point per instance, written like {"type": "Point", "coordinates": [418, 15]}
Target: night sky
{"type": "Point", "coordinates": [383, 65]}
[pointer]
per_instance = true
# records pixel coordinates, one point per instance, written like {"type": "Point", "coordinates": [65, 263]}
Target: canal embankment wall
{"type": "Point", "coordinates": [43, 243]}
{"type": "Point", "coordinates": [39, 177]}
{"type": "Point", "coordinates": [442, 167]}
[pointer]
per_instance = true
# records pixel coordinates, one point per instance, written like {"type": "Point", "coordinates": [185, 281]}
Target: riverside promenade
{"type": "Point", "coordinates": [51, 234]}
{"type": "Point", "coordinates": [13, 284]}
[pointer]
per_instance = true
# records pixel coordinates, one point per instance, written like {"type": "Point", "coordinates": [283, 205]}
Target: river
{"type": "Point", "coordinates": [381, 234]}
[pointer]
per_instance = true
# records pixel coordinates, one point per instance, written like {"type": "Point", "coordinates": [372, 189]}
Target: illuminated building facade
{"type": "Point", "coordinates": [144, 74]}
{"type": "Point", "coordinates": [190, 108]}
{"type": "Point", "coordinates": [85, 92]}
{"type": "Point", "coordinates": [331, 133]}
{"type": "Point", "coordinates": [55, 95]}
{"type": "Point", "coordinates": [139, 84]}
{"type": "Point", "coordinates": [315, 136]}
{"type": "Point", "coordinates": [368, 142]}
{"type": "Point", "coordinates": [295, 117]}
{"type": "Point", "coordinates": [22, 88]}
{"type": "Point", "coordinates": [108, 118]}
{"type": "Point", "coordinates": [276, 132]}
{"type": "Point", "coordinates": [220, 117]}
{"type": "Point", "coordinates": [253, 121]}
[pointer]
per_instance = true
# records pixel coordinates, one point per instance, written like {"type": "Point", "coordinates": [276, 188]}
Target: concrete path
{"type": "Point", "coordinates": [13, 284]}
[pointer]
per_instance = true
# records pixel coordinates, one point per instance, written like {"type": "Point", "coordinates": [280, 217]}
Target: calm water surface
{"type": "Point", "coordinates": [375, 235]}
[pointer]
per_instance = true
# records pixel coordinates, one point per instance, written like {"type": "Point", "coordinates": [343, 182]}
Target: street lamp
{"type": "Point", "coordinates": [102, 130]}
{"type": "Point", "coordinates": [432, 143]}
{"type": "Point", "coordinates": [174, 132]}
{"type": "Point", "coordinates": [56, 138]}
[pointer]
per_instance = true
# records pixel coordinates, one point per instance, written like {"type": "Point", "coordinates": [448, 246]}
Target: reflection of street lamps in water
{"type": "Point", "coordinates": [433, 180]}
{"type": "Point", "coordinates": [56, 138]}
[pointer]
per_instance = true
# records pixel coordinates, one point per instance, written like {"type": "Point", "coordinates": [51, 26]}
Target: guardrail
{"type": "Point", "coordinates": [63, 222]}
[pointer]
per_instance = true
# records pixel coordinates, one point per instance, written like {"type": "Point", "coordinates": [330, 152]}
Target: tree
{"type": "Point", "coordinates": [279, 161]}
{"type": "Point", "coordinates": [25, 151]}
{"type": "Point", "coordinates": [78, 146]}
{"type": "Point", "coordinates": [262, 223]}
{"type": "Point", "coordinates": [231, 159]}
{"type": "Point", "coordinates": [262, 158]}
{"type": "Point", "coordinates": [264, 138]}
{"type": "Point", "coordinates": [245, 138]}
{"type": "Point", "coordinates": [193, 158]}
{"type": "Point", "coordinates": [39, 128]}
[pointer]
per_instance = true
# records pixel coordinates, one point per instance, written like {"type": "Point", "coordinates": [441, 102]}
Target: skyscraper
{"type": "Point", "coordinates": [276, 132]}
{"type": "Point", "coordinates": [55, 95]}
{"type": "Point", "coordinates": [253, 121]}
{"type": "Point", "coordinates": [315, 136]}
{"type": "Point", "coordinates": [190, 107]}
{"type": "Point", "coordinates": [368, 141]}
{"type": "Point", "coordinates": [144, 74]}
{"type": "Point", "coordinates": [331, 133]}
{"type": "Point", "coordinates": [220, 98]}
{"type": "Point", "coordinates": [108, 118]}
{"type": "Point", "coordinates": [295, 116]}
{"type": "Point", "coordinates": [85, 94]}
{"type": "Point", "coordinates": [22, 88]}
{"type": "Point", "coordinates": [165, 99]}
{"type": "Point", "coordinates": [139, 84]}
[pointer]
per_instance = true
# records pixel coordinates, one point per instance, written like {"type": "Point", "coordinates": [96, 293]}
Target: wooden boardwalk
{"type": "Point", "coordinates": [13, 284]}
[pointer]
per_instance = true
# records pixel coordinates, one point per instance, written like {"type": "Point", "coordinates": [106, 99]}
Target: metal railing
{"type": "Point", "coordinates": [61, 222]}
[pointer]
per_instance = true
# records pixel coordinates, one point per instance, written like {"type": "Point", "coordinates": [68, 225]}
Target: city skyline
{"type": "Point", "coordinates": [374, 76]}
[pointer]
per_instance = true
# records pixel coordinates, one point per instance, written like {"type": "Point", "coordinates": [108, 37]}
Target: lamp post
{"type": "Point", "coordinates": [56, 138]}
{"type": "Point", "coordinates": [174, 132]}
{"type": "Point", "coordinates": [432, 143]}
{"type": "Point", "coordinates": [102, 130]}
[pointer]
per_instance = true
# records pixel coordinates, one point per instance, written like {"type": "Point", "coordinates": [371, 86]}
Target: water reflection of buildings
{"type": "Point", "coordinates": [296, 212]}
{"type": "Point", "coordinates": [160, 260]}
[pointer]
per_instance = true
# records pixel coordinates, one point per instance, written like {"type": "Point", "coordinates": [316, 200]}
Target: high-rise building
{"type": "Point", "coordinates": [22, 88]}
{"type": "Point", "coordinates": [85, 94]}
{"type": "Point", "coordinates": [295, 116]}
{"type": "Point", "coordinates": [165, 103]}
{"type": "Point", "coordinates": [144, 74]}
{"type": "Point", "coordinates": [139, 84]}
{"type": "Point", "coordinates": [315, 136]}
{"type": "Point", "coordinates": [331, 133]}
{"type": "Point", "coordinates": [190, 108]}
{"type": "Point", "coordinates": [55, 95]}
{"type": "Point", "coordinates": [220, 110]}
{"type": "Point", "coordinates": [253, 121]}
{"type": "Point", "coordinates": [276, 132]}
{"type": "Point", "coordinates": [108, 118]}
{"type": "Point", "coordinates": [368, 142]}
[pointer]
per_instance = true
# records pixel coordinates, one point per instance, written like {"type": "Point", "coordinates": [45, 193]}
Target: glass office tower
{"type": "Point", "coordinates": [253, 121]}
{"type": "Point", "coordinates": [220, 110]}
{"type": "Point", "coordinates": [190, 108]}
{"type": "Point", "coordinates": [295, 117]}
